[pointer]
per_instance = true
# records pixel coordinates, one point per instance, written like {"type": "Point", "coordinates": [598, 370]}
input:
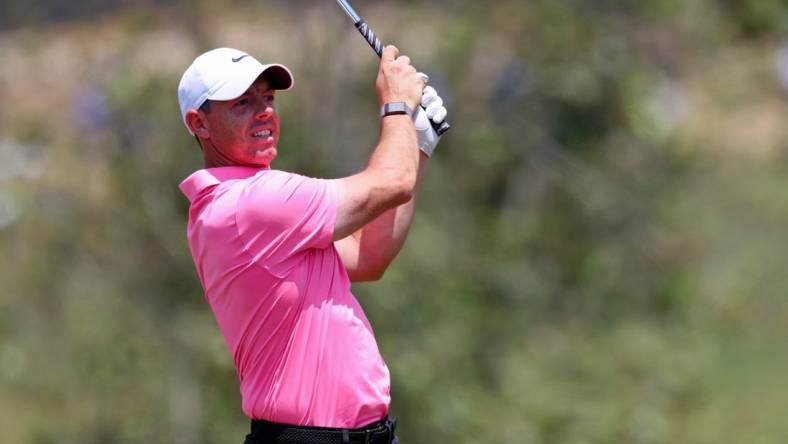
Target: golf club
{"type": "Point", "coordinates": [377, 46]}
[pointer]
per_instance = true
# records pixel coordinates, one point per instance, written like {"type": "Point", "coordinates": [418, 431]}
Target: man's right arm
{"type": "Point", "coordinates": [390, 176]}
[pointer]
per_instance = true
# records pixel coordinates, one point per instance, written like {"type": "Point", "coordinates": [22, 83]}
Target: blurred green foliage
{"type": "Point", "coordinates": [598, 254]}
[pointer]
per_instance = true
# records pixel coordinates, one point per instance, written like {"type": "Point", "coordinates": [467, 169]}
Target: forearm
{"type": "Point", "coordinates": [396, 157]}
{"type": "Point", "coordinates": [382, 239]}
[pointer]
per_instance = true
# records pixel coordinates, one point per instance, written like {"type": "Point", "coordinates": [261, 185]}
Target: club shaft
{"type": "Point", "coordinates": [349, 11]}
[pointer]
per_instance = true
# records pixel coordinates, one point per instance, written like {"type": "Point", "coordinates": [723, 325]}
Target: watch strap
{"type": "Point", "coordinates": [395, 108]}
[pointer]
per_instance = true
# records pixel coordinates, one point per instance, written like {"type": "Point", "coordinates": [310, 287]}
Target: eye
{"type": "Point", "coordinates": [242, 102]}
{"type": "Point", "coordinates": [269, 97]}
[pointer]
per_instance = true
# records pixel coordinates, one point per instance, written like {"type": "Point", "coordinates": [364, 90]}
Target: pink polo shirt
{"type": "Point", "coordinates": [304, 351]}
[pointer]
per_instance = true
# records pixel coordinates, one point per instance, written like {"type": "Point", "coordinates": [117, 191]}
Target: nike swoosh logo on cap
{"type": "Point", "coordinates": [238, 59]}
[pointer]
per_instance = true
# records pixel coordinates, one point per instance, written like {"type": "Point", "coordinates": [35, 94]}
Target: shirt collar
{"type": "Point", "coordinates": [198, 181]}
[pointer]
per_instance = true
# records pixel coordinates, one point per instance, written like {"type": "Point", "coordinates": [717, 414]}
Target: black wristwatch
{"type": "Point", "coordinates": [395, 108]}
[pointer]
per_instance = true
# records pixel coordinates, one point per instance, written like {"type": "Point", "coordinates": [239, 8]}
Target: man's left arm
{"type": "Point", "coordinates": [367, 253]}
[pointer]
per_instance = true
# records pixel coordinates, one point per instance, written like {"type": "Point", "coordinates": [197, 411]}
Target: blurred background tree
{"type": "Point", "coordinates": [598, 255]}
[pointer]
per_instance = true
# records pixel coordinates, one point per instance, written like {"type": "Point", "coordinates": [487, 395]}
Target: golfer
{"type": "Point", "coordinates": [276, 252]}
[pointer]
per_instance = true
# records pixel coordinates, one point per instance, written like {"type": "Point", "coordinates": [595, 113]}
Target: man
{"type": "Point", "coordinates": [276, 252]}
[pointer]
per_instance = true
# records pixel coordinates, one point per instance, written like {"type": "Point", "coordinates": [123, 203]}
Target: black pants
{"type": "Point", "coordinates": [264, 432]}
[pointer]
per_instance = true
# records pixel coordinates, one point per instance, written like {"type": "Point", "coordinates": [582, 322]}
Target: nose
{"type": "Point", "coordinates": [266, 110]}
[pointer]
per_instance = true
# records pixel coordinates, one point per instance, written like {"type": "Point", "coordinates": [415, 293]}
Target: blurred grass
{"type": "Point", "coordinates": [598, 254]}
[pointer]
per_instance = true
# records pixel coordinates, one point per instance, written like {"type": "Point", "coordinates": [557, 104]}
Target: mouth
{"type": "Point", "coordinates": [262, 134]}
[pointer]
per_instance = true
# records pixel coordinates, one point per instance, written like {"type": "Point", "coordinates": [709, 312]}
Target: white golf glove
{"type": "Point", "coordinates": [433, 111]}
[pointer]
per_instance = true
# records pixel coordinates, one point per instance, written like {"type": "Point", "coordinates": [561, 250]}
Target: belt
{"type": "Point", "coordinates": [381, 432]}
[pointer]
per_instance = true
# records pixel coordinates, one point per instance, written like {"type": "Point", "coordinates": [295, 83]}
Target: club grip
{"type": "Point", "coordinates": [370, 37]}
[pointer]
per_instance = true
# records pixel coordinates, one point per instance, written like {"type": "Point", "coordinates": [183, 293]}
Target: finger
{"type": "Point", "coordinates": [404, 59]}
{"type": "Point", "coordinates": [434, 107]}
{"type": "Point", "coordinates": [428, 96]}
{"type": "Point", "coordinates": [440, 115]}
{"type": "Point", "coordinates": [390, 53]}
{"type": "Point", "coordinates": [424, 77]}
{"type": "Point", "coordinates": [429, 92]}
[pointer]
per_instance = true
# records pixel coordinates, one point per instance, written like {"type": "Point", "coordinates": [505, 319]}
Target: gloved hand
{"type": "Point", "coordinates": [434, 111]}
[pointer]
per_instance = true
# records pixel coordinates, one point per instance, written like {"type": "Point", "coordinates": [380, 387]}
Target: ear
{"type": "Point", "coordinates": [197, 123]}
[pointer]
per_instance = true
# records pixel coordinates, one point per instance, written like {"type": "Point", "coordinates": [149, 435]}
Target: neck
{"type": "Point", "coordinates": [213, 158]}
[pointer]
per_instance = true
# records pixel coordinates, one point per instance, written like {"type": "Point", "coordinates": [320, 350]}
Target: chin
{"type": "Point", "coordinates": [262, 157]}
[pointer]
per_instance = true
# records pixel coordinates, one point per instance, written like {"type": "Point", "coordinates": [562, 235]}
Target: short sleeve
{"type": "Point", "coordinates": [281, 214]}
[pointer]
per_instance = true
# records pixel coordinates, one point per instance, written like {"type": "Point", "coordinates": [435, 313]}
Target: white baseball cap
{"type": "Point", "coordinates": [224, 74]}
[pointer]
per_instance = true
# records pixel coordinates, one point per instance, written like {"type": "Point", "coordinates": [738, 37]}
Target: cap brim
{"type": "Point", "coordinates": [280, 78]}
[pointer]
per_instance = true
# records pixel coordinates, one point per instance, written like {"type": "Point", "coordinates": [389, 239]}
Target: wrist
{"type": "Point", "coordinates": [396, 108]}
{"type": "Point", "coordinates": [398, 98]}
